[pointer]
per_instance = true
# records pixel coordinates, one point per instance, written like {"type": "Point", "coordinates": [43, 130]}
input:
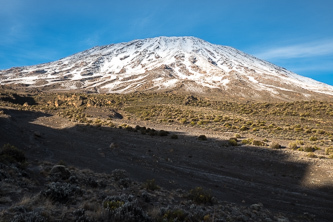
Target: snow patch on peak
{"type": "Point", "coordinates": [165, 63]}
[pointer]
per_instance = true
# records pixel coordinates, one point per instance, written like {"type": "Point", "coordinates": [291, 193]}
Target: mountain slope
{"type": "Point", "coordinates": [182, 64]}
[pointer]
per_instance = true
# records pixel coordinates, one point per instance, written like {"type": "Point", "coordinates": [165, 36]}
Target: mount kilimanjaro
{"type": "Point", "coordinates": [168, 64]}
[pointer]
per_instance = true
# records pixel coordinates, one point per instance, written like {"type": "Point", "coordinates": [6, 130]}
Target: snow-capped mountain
{"type": "Point", "coordinates": [185, 64]}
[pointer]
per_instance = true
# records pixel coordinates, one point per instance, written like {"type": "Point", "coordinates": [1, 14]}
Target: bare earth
{"type": "Point", "coordinates": [283, 180]}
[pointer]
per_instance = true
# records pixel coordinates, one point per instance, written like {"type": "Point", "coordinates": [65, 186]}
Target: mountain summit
{"type": "Point", "coordinates": [178, 64]}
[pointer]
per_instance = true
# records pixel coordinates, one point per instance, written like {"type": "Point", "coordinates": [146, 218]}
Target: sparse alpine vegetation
{"type": "Point", "coordinates": [303, 121]}
{"type": "Point", "coordinates": [88, 196]}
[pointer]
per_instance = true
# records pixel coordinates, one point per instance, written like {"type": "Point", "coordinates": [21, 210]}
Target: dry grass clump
{"type": "Point", "coordinates": [200, 196]}
{"type": "Point", "coordinates": [292, 145]}
{"type": "Point", "coordinates": [275, 145]}
{"type": "Point", "coordinates": [308, 148]}
{"type": "Point", "coordinates": [299, 142]}
{"type": "Point", "coordinates": [247, 141]}
{"type": "Point", "coordinates": [311, 155]}
{"type": "Point", "coordinates": [258, 143]}
{"type": "Point", "coordinates": [237, 135]}
{"type": "Point", "coordinates": [313, 138]}
{"type": "Point", "coordinates": [233, 142]}
{"type": "Point", "coordinates": [328, 150]}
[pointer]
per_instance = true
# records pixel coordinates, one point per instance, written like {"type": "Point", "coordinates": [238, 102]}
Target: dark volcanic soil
{"type": "Point", "coordinates": [280, 179]}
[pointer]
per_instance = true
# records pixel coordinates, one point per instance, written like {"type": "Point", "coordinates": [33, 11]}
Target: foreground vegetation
{"type": "Point", "coordinates": [42, 191]}
{"type": "Point", "coordinates": [307, 125]}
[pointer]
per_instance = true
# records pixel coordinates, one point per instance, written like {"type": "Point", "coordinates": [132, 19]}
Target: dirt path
{"type": "Point", "coordinates": [282, 181]}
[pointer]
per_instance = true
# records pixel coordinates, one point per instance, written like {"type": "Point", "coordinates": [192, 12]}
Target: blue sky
{"type": "Point", "coordinates": [295, 34]}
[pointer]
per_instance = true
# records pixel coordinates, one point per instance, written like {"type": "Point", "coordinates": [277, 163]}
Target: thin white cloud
{"type": "Point", "coordinates": [304, 50]}
{"type": "Point", "coordinates": [312, 68]}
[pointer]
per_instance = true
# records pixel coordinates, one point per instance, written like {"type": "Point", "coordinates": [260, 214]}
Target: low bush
{"type": "Point", "coordinates": [308, 148]}
{"type": "Point", "coordinates": [311, 155]}
{"type": "Point", "coordinates": [202, 137]}
{"type": "Point", "coordinates": [243, 128]}
{"type": "Point", "coordinates": [233, 141]}
{"type": "Point", "coordinates": [174, 215]}
{"type": "Point", "coordinates": [163, 133]}
{"type": "Point", "coordinates": [292, 145]}
{"type": "Point", "coordinates": [328, 150]}
{"type": "Point", "coordinates": [299, 142]}
{"type": "Point", "coordinates": [313, 138]}
{"type": "Point", "coordinates": [183, 120]}
{"type": "Point", "coordinates": [124, 208]}
{"type": "Point", "coordinates": [151, 185]}
{"type": "Point", "coordinates": [200, 196]}
{"type": "Point", "coordinates": [258, 143]}
{"type": "Point", "coordinates": [247, 141]}
{"type": "Point", "coordinates": [9, 153]}
{"type": "Point", "coordinates": [61, 192]}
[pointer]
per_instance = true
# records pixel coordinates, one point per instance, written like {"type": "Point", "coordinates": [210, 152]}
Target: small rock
{"type": "Point", "coordinates": [113, 145]}
{"type": "Point", "coordinates": [37, 134]}
{"type": "Point", "coordinates": [282, 219]}
{"type": "Point", "coordinates": [256, 206]}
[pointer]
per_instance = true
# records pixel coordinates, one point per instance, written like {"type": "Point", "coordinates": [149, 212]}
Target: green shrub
{"type": "Point", "coordinates": [9, 153]}
{"type": "Point", "coordinates": [233, 141]}
{"type": "Point", "coordinates": [200, 196]}
{"type": "Point", "coordinates": [202, 137]}
{"type": "Point", "coordinates": [151, 185]}
{"type": "Point", "coordinates": [237, 135]}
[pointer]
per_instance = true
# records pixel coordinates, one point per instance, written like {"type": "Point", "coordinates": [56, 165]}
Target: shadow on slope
{"type": "Point", "coordinates": [237, 174]}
